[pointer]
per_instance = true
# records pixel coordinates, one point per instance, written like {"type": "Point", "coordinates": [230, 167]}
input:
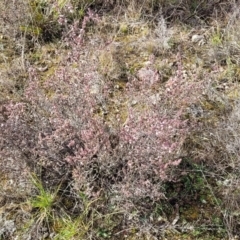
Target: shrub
{"type": "Point", "coordinates": [58, 127]}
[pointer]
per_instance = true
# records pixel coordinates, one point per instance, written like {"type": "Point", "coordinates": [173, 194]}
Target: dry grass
{"type": "Point", "coordinates": [126, 109]}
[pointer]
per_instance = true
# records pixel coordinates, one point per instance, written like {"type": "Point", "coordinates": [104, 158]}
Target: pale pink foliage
{"type": "Point", "coordinates": [58, 121]}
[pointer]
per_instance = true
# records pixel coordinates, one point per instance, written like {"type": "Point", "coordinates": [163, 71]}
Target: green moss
{"type": "Point", "coordinates": [123, 28]}
{"type": "Point", "coordinates": [216, 38]}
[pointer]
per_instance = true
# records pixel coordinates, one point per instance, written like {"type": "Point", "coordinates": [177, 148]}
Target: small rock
{"type": "Point", "coordinates": [134, 102]}
{"type": "Point", "coordinates": [42, 69]}
{"type": "Point", "coordinates": [7, 227]}
{"type": "Point", "coordinates": [200, 39]}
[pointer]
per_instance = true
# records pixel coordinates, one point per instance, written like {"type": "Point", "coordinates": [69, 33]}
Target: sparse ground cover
{"type": "Point", "coordinates": [119, 119]}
